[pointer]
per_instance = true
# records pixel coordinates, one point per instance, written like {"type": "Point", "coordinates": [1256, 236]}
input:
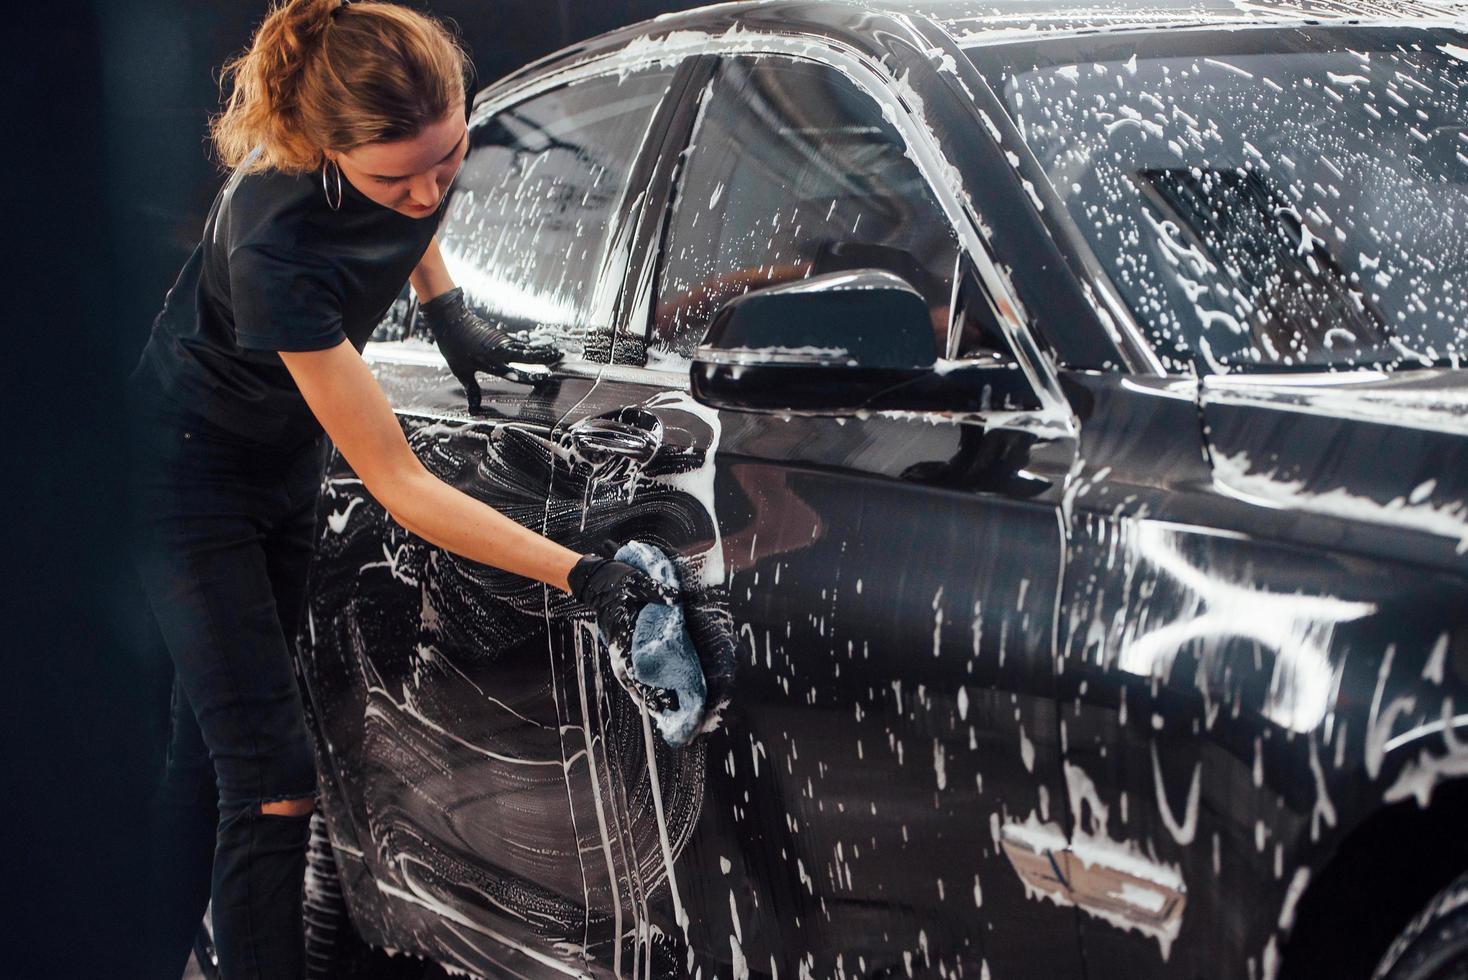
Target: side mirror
{"type": "Point", "coordinates": [832, 342]}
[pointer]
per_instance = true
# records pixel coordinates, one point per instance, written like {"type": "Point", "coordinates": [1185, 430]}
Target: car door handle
{"type": "Point", "coordinates": [600, 438]}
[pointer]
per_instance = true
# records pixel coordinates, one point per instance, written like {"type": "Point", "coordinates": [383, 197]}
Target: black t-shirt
{"type": "Point", "coordinates": [277, 270]}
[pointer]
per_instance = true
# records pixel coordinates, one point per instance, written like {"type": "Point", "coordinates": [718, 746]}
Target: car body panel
{"type": "Point", "coordinates": [1099, 689]}
{"type": "Point", "coordinates": [434, 703]}
{"type": "Point", "coordinates": [851, 749]}
{"type": "Point", "coordinates": [1231, 665]}
{"type": "Point", "coordinates": [437, 708]}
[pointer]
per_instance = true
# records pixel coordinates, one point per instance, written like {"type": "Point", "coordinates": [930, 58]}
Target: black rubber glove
{"type": "Point", "coordinates": [469, 343]}
{"type": "Point", "coordinates": [616, 592]}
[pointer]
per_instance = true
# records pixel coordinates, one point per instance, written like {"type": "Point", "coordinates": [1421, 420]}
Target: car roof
{"type": "Point", "coordinates": [980, 21]}
{"type": "Point", "coordinates": [968, 21]}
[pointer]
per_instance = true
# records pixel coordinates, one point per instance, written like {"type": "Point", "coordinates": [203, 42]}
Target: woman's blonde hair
{"type": "Point", "coordinates": [323, 74]}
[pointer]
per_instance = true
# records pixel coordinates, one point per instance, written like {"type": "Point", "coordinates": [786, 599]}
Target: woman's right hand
{"type": "Point", "coordinates": [616, 592]}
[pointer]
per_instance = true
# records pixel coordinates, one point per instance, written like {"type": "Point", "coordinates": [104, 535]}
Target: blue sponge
{"type": "Point", "coordinates": [663, 655]}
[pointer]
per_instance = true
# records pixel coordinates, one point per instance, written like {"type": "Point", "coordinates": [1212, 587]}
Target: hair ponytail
{"type": "Point", "coordinates": [320, 74]}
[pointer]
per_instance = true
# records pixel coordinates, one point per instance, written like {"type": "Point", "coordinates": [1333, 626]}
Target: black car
{"type": "Point", "coordinates": [1062, 408]}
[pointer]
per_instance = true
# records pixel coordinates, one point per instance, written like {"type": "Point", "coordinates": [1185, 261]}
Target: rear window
{"type": "Point", "coordinates": [1262, 198]}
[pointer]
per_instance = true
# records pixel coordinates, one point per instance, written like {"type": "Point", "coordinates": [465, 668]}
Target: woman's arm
{"type": "Point", "coordinates": [431, 277]}
{"type": "Point", "coordinates": [351, 406]}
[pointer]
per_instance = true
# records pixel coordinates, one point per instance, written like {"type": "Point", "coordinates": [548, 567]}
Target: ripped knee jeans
{"type": "Point", "coordinates": [222, 531]}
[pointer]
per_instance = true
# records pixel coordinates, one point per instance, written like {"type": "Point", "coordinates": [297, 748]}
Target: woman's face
{"type": "Point", "coordinates": [409, 175]}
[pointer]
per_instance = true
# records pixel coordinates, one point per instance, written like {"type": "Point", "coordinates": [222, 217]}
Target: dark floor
{"type": "Point", "coordinates": [430, 972]}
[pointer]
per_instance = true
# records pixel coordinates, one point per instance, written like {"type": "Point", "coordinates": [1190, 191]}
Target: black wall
{"type": "Point", "coordinates": [107, 182]}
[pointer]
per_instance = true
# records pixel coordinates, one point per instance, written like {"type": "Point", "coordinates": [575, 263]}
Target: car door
{"type": "Point", "coordinates": [428, 673]}
{"type": "Point", "coordinates": [891, 580]}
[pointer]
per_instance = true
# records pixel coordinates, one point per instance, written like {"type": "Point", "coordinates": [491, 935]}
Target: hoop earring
{"type": "Point", "coordinates": [326, 191]}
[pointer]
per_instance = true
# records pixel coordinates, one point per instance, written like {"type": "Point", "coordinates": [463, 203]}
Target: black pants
{"type": "Point", "coordinates": [222, 529]}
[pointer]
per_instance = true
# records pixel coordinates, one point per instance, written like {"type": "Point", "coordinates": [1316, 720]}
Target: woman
{"type": "Point", "coordinates": [344, 128]}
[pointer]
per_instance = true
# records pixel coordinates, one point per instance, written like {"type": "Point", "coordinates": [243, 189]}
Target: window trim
{"type": "Point", "coordinates": [1040, 372]}
{"type": "Point", "coordinates": [676, 144]}
{"type": "Point", "coordinates": [624, 216]}
{"type": "Point", "coordinates": [874, 81]}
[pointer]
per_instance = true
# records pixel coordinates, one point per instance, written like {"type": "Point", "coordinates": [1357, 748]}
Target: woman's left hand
{"type": "Point", "coordinates": [469, 343]}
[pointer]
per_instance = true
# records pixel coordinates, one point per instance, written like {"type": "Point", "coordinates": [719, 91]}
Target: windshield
{"type": "Point", "coordinates": [1281, 198]}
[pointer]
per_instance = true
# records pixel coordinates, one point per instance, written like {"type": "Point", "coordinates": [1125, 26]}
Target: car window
{"type": "Point", "coordinates": [976, 334]}
{"type": "Point", "coordinates": [791, 172]}
{"type": "Point", "coordinates": [394, 324]}
{"type": "Point", "coordinates": [533, 206]}
{"type": "Point", "coordinates": [1265, 199]}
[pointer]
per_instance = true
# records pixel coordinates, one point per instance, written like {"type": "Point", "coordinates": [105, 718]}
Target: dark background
{"type": "Point", "coordinates": [107, 180]}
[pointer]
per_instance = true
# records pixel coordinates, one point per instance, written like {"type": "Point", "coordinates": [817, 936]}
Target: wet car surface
{"type": "Point", "coordinates": [1120, 631]}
